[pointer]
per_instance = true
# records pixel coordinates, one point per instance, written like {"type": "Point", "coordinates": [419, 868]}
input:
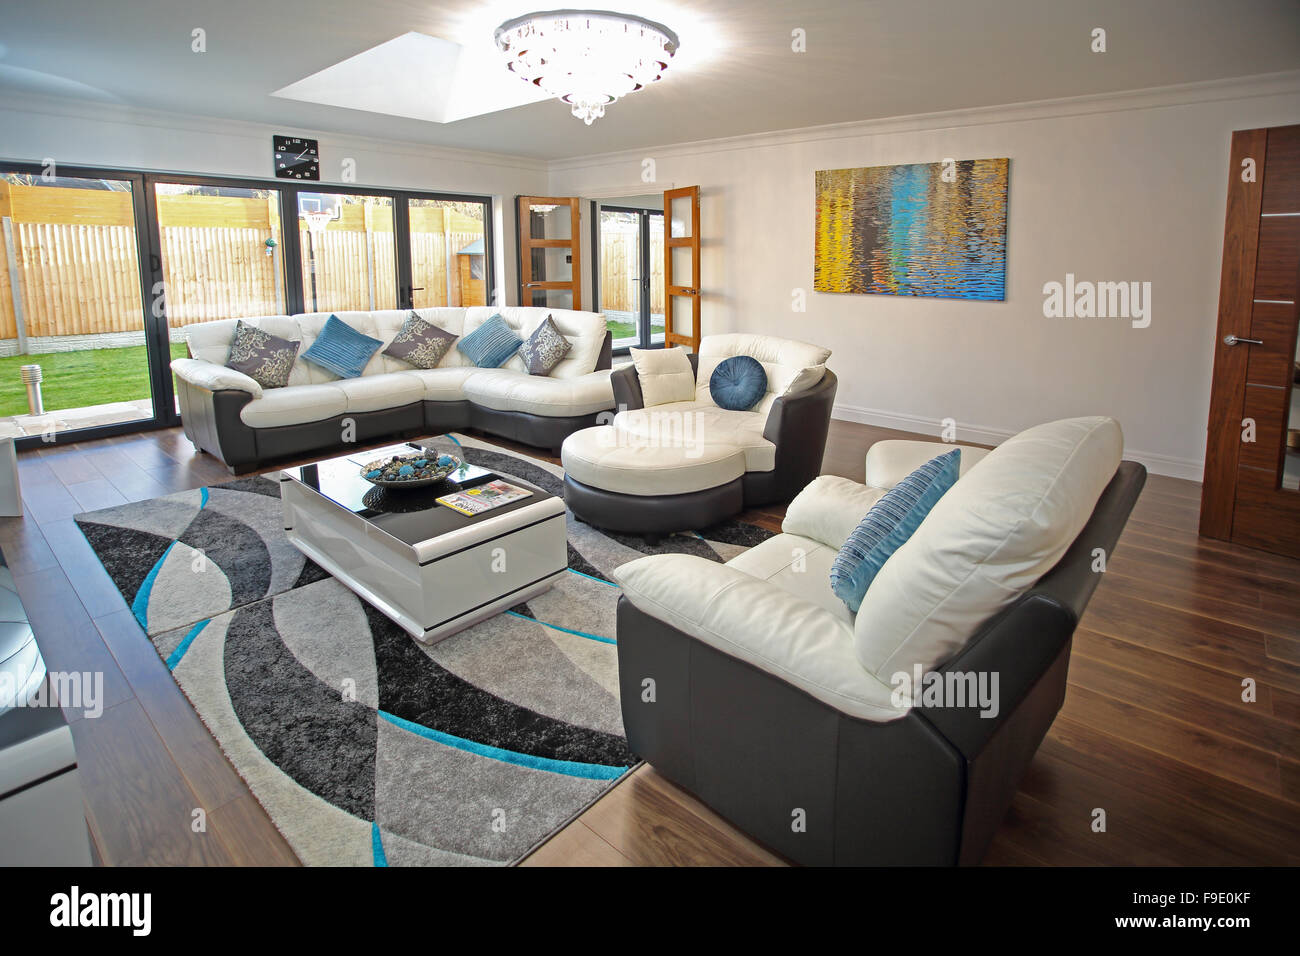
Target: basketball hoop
{"type": "Point", "coordinates": [317, 221]}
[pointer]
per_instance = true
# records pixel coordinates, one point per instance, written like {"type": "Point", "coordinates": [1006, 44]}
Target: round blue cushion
{"type": "Point", "coordinates": [738, 383]}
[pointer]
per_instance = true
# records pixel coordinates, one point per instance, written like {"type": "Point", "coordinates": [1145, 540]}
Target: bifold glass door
{"type": "Point", "coordinates": [72, 319]}
{"type": "Point", "coordinates": [448, 253]}
{"type": "Point", "coordinates": [630, 277]}
{"type": "Point", "coordinates": [102, 274]}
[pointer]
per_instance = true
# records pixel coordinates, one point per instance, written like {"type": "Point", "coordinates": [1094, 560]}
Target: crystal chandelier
{"type": "Point", "coordinates": [588, 58]}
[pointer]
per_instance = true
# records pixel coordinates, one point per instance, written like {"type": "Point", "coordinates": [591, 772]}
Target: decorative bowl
{"type": "Point", "coordinates": [417, 470]}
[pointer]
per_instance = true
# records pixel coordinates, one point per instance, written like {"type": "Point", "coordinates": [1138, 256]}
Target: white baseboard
{"type": "Point", "coordinates": [1188, 468]}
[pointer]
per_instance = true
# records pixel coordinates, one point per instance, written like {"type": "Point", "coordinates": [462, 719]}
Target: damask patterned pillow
{"type": "Point", "coordinates": [420, 343]}
{"type": "Point", "coordinates": [545, 348]}
{"type": "Point", "coordinates": [265, 358]}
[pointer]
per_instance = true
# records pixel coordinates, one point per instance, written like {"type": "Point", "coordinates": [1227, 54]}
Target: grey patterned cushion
{"type": "Point", "coordinates": [545, 348]}
{"type": "Point", "coordinates": [420, 343]}
{"type": "Point", "coordinates": [265, 358]}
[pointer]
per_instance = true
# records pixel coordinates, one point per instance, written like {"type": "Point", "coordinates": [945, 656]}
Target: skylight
{"type": "Point", "coordinates": [419, 77]}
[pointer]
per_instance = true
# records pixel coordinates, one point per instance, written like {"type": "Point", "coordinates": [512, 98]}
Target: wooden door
{"type": "Point", "coordinates": [1251, 492]}
{"type": "Point", "coordinates": [550, 254]}
{"type": "Point", "coordinates": [682, 267]}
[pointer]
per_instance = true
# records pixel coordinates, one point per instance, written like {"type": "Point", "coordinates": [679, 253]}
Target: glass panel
{"type": "Point", "coordinates": [656, 277]}
{"type": "Point", "coordinates": [222, 254]}
{"type": "Point", "coordinates": [682, 262]}
{"type": "Point", "coordinates": [620, 275]}
{"type": "Point", "coordinates": [70, 305]}
{"type": "Point", "coordinates": [550, 298]}
{"type": "Point", "coordinates": [679, 210]}
{"type": "Point", "coordinates": [552, 265]}
{"type": "Point", "coordinates": [349, 253]}
{"type": "Point", "coordinates": [550, 221]}
{"type": "Point", "coordinates": [1291, 468]}
{"type": "Point", "coordinates": [448, 253]}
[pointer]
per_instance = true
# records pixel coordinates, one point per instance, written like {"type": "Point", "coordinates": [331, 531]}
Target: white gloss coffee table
{"type": "Point", "coordinates": [431, 570]}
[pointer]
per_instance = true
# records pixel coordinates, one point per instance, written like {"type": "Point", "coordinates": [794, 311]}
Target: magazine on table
{"type": "Point", "coordinates": [484, 497]}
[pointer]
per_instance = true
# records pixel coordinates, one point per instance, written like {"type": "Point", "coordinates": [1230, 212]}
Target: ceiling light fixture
{"type": "Point", "coordinates": [588, 58]}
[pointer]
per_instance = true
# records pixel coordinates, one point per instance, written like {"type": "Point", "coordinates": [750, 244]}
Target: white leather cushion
{"type": "Point", "coordinates": [294, 405]}
{"type": "Point", "coordinates": [788, 363]}
{"type": "Point", "coordinates": [892, 460]}
{"type": "Point", "coordinates": [665, 375]}
{"type": "Point", "coordinates": [444, 383]}
{"type": "Point", "coordinates": [604, 458]}
{"type": "Point", "coordinates": [510, 391]}
{"type": "Point", "coordinates": [210, 341]}
{"type": "Point", "coordinates": [804, 379]}
{"type": "Point", "coordinates": [828, 510]}
{"type": "Point", "coordinates": [996, 532]}
{"type": "Point", "coordinates": [745, 617]}
{"type": "Point", "coordinates": [798, 565]}
{"type": "Point", "coordinates": [376, 393]}
{"type": "Point", "coordinates": [214, 377]}
{"type": "Point", "coordinates": [694, 423]}
{"type": "Point", "coordinates": [585, 332]}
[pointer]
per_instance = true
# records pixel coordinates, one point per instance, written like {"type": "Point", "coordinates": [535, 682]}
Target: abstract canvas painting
{"type": "Point", "coordinates": [927, 229]}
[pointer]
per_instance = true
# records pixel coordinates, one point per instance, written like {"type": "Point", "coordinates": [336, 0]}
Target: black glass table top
{"type": "Point", "coordinates": [410, 515]}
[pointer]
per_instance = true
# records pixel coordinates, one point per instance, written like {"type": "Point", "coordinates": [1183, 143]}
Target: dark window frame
{"type": "Point", "coordinates": [149, 253]}
{"type": "Point", "coordinates": [643, 318]}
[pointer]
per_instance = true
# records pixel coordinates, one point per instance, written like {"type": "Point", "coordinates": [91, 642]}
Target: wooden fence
{"type": "Point", "coordinates": [78, 272]}
{"type": "Point", "coordinates": [620, 265]}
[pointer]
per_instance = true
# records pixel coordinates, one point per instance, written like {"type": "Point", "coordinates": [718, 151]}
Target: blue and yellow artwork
{"type": "Point", "coordinates": [927, 229]}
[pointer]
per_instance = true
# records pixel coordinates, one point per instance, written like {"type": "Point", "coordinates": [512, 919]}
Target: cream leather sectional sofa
{"type": "Point", "coordinates": [227, 414]}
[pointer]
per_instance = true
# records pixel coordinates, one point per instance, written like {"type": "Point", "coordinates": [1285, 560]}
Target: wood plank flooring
{"type": "Point", "coordinates": [1153, 730]}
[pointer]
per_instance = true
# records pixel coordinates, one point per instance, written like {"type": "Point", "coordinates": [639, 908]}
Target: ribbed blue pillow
{"type": "Point", "coordinates": [890, 522]}
{"type": "Point", "coordinates": [738, 383]}
{"type": "Point", "coordinates": [491, 344]}
{"type": "Point", "coordinates": [341, 349]}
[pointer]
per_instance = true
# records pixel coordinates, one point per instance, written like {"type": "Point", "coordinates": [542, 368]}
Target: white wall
{"type": "Point", "coordinates": [1131, 187]}
{"type": "Point", "coordinates": [33, 129]}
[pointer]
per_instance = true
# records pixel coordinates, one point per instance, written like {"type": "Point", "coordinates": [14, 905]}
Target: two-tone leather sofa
{"type": "Point", "coordinates": [684, 465]}
{"type": "Point", "coordinates": [230, 416]}
{"type": "Point", "coordinates": [897, 734]}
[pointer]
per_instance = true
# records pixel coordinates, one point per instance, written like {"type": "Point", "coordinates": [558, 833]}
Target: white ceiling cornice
{"type": "Point", "coordinates": [1271, 84]}
{"type": "Point", "coordinates": [93, 110]}
{"type": "Point", "coordinates": [1268, 84]}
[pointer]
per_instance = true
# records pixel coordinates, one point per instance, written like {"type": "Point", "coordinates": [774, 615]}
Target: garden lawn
{"type": "Point", "coordinates": [79, 379]}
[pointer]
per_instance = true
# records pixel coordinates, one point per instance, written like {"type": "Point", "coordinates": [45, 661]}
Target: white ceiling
{"type": "Point", "coordinates": [735, 74]}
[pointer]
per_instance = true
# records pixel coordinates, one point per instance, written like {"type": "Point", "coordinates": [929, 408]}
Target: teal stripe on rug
{"type": "Point", "coordinates": [140, 606]}
{"type": "Point", "coordinates": [591, 578]}
{"type": "Point", "coordinates": [175, 656]}
{"type": "Point", "coordinates": [572, 768]}
{"type": "Point", "coordinates": [566, 630]}
{"type": "Point", "coordinates": [377, 845]}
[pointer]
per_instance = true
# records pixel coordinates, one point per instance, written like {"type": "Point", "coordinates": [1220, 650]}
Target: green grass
{"type": "Point", "coordinates": [627, 330]}
{"type": "Point", "coordinates": [78, 379]}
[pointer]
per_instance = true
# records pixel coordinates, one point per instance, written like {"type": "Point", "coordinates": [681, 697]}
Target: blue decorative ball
{"type": "Point", "coordinates": [374, 473]}
{"type": "Point", "coordinates": [445, 460]}
{"type": "Point", "coordinates": [406, 470]}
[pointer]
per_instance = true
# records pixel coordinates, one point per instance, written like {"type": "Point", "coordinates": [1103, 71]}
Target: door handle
{"type": "Point", "coordinates": [1238, 340]}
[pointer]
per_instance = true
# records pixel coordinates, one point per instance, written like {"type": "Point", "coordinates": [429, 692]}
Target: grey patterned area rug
{"type": "Point", "coordinates": [364, 746]}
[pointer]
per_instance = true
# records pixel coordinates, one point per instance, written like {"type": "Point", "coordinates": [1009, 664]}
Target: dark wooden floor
{"type": "Point", "coordinates": [1153, 730]}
